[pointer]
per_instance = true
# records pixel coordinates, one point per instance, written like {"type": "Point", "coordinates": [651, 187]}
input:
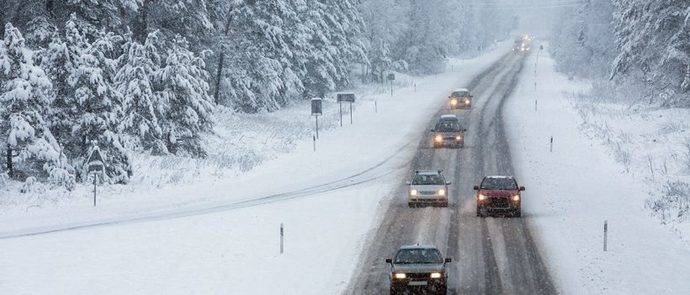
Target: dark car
{"type": "Point", "coordinates": [448, 132]}
{"type": "Point", "coordinates": [460, 99]}
{"type": "Point", "coordinates": [420, 269]}
{"type": "Point", "coordinates": [499, 194]}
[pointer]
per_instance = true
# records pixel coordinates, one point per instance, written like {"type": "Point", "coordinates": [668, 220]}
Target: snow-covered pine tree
{"type": "Point", "coordinates": [141, 109]}
{"type": "Point", "coordinates": [184, 91]}
{"type": "Point", "coordinates": [95, 104]}
{"type": "Point", "coordinates": [25, 94]}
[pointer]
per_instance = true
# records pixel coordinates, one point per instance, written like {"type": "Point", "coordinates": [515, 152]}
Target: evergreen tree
{"type": "Point", "coordinates": [185, 94]}
{"type": "Point", "coordinates": [25, 94]}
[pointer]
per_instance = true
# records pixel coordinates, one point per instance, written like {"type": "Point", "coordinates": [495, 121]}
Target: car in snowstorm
{"type": "Point", "coordinates": [428, 188]}
{"type": "Point", "coordinates": [418, 270]}
{"type": "Point", "coordinates": [460, 99]}
{"type": "Point", "coordinates": [448, 132]}
{"type": "Point", "coordinates": [500, 194]}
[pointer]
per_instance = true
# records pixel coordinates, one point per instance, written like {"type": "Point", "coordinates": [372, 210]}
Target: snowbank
{"type": "Point", "coordinates": [573, 190]}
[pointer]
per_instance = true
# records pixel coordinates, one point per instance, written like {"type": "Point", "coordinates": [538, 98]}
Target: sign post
{"type": "Point", "coordinates": [95, 166]}
{"type": "Point", "coordinates": [347, 97]}
{"type": "Point", "coordinates": [316, 111]}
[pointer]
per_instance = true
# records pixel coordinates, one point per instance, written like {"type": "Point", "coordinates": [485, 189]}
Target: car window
{"type": "Point", "coordinates": [413, 256]}
{"type": "Point", "coordinates": [499, 184]}
{"type": "Point", "coordinates": [459, 94]}
{"type": "Point", "coordinates": [428, 179]}
{"type": "Point", "coordinates": [447, 126]}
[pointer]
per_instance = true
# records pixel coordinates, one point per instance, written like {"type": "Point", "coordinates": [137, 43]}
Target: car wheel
{"type": "Point", "coordinates": [479, 212]}
{"type": "Point", "coordinates": [411, 205]}
{"type": "Point", "coordinates": [393, 292]}
{"type": "Point", "coordinates": [444, 204]}
{"type": "Point", "coordinates": [443, 290]}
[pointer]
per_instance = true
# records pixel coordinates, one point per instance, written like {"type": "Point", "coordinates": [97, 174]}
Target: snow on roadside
{"type": "Point", "coordinates": [235, 251]}
{"type": "Point", "coordinates": [573, 190]}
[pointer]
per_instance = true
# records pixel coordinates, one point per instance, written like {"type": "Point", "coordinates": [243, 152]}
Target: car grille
{"type": "Point", "coordinates": [419, 275]}
{"type": "Point", "coordinates": [427, 193]}
{"type": "Point", "coordinates": [500, 202]}
{"type": "Point", "coordinates": [449, 138]}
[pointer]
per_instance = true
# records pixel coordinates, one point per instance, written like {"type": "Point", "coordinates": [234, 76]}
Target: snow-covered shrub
{"type": "Point", "coordinates": [674, 203]}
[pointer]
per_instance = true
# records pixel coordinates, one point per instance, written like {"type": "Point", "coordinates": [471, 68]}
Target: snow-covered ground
{"type": "Point", "coordinates": [186, 227]}
{"type": "Point", "coordinates": [583, 183]}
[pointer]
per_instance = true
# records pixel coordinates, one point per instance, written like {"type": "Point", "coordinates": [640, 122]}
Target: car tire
{"type": "Point", "coordinates": [444, 204]}
{"type": "Point", "coordinates": [479, 212]}
{"type": "Point", "coordinates": [442, 291]}
{"type": "Point", "coordinates": [393, 291]}
{"type": "Point", "coordinates": [411, 205]}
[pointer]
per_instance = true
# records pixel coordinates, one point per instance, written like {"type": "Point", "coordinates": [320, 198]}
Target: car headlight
{"type": "Point", "coordinates": [441, 192]}
{"type": "Point", "coordinates": [516, 198]}
{"type": "Point", "coordinates": [453, 101]}
{"type": "Point", "coordinates": [458, 138]}
{"type": "Point", "coordinates": [435, 275]}
{"type": "Point", "coordinates": [400, 276]}
{"type": "Point", "coordinates": [482, 197]}
{"type": "Point", "coordinates": [438, 138]}
{"type": "Point", "coordinates": [413, 192]}
{"type": "Point", "coordinates": [467, 101]}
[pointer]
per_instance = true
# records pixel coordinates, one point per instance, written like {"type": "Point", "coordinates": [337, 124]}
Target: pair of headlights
{"type": "Point", "coordinates": [434, 275]}
{"type": "Point", "coordinates": [441, 192]}
{"type": "Point", "coordinates": [484, 197]}
{"type": "Point", "coordinates": [439, 138]}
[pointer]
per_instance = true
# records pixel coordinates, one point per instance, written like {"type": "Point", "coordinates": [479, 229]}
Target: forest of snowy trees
{"type": "Point", "coordinates": [145, 76]}
{"type": "Point", "coordinates": [639, 48]}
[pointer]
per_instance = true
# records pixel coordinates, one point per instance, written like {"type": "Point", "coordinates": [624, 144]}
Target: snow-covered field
{"type": "Point", "coordinates": [186, 227]}
{"type": "Point", "coordinates": [583, 183]}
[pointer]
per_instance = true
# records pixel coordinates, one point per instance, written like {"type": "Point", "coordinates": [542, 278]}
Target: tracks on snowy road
{"type": "Point", "coordinates": [491, 255]}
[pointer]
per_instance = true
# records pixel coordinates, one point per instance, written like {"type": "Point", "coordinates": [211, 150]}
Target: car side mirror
{"type": "Point", "coordinates": [448, 183]}
{"type": "Point", "coordinates": [447, 260]}
{"type": "Point", "coordinates": [432, 130]}
{"type": "Point", "coordinates": [464, 129]}
{"type": "Point", "coordinates": [388, 260]}
{"type": "Point", "coordinates": [476, 188]}
{"type": "Point", "coordinates": [408, 182]}
{"type": "Point", "coordinates": [522, 188]}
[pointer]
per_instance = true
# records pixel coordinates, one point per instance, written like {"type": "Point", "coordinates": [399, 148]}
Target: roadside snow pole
{"type": "Point", "coordinates": [376, 107]}
{"type": "Point", "coordinates": [551, 145]}
{"type": "Point", "coordinates": [606, 231]}
{"type": "Point", "coordinates": [282, 237]}
{"type": "Point", "coordinates": [316, 110]}
{"type": "Point", "coordinates": [314, 139]}
{"type": "Point", "coordinates": [340, 106]}
{"type": "Point", "coordinates": [95, 166]}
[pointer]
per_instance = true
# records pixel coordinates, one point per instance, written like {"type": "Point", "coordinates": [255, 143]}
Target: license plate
{"type": "Point", "coordinates": [417, 283]}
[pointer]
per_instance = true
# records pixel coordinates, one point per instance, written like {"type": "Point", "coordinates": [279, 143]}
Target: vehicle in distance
{"type": "Point", "coordinates": [448, 133]}
{"type": "Point", "coordinates": [428, 188]}
{"type": "Point", "coordinates": [460, 99]}
{"type": "Point", "coordinates": [499, 194]}
{"type": "Point", "coordinates": [420, 269]}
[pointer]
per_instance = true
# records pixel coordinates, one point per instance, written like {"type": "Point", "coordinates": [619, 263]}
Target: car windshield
{"type": "Point", "coordinates": [447, 126]}
{"type": "Point", "coordinates": [414, 256]}
{"type": "Point", "coordinates": [499, 184]}
{"type": "Point", "coordinates": [459, 94]}
{"type": "Point", "coordinates": [428, 179]}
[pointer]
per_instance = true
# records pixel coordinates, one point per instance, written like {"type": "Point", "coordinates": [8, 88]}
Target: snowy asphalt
{"type": "Point", "coordinates": [491, 255]}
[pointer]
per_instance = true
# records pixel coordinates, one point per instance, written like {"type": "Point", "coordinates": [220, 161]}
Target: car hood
{"type": "Point", "coordinates": [434, 187]}
{"type": "Point", "coordinates": [419, 268]}
{"type": "Point", "coordinates": [499, 193]}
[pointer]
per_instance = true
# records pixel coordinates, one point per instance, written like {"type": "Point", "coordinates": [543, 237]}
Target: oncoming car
{"type": "Point", "coordinates": [448, 132]}
{"type": "Point", "coordinates": [421, 269]}
{"type": "Point", "coordinates": [460, 99]}
{"type": "Point", "coordinates": [428, 188]}
{"type": "Point", "coordinates": [499, 194]}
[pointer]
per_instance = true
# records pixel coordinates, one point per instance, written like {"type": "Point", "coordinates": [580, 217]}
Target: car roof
{"type": "Point", "coordinates": [499, 176]}
{"type": "Point", "coordinates": [417, 247]}
{"type": "Point", "coordinates": [428, 172]}
{"type": "Point", "coordinates": [449, 117]}
{"type": "Point", "coordinates": [461, 89]}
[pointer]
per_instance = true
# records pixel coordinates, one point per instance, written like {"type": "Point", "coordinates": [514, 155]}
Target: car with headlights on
{"type": "Point", "coordinates": [428, 188]}
{"type": "Point", "coordinates": [419, 270]}
{"type": "Point", "coordinates": [499, 194]}
{"type": "Point", "coordinates": [460, 99]}
{"type": "Point", "coordinates": [448, 132]}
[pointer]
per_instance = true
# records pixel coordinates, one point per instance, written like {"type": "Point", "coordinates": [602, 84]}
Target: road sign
{"type": "Point", "coordinates": [391, 76]}
{"type": "Point", "coordinates": [316, 106]}
{"type": "Point", "coordinates": [95, 163]}
{"type": "Point", "coordinates": [346, 96]}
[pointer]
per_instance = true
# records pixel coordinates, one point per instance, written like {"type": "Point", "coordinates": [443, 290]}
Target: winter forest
{"type": "Point", "coordinates": [144, 76]}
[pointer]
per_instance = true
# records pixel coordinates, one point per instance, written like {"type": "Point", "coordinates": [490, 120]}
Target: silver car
{"type": "Point", "coordinates": [428, 188]}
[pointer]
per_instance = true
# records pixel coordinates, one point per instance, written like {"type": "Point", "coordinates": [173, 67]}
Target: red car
{"type": "Point", "coordinates": [499, 194]}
